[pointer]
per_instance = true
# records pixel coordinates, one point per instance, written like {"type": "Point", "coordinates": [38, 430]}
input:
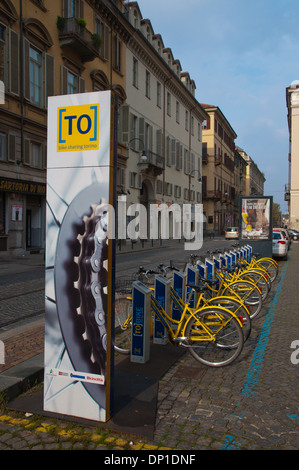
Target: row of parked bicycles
{"type": "Point", "coordinates": [215, 313]}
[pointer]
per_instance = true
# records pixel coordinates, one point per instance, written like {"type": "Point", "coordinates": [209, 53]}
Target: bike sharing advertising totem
{"type": "Point", "coordinates": [79, 288]}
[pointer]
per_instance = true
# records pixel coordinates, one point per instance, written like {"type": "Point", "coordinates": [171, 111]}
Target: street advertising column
{"type": "Point", "coordinates": [256, 223]}
{"type": "Point", "coordinates": [141, 323]}
{"type": "Point", "coordinates": [179, 286]}
{"type": "Point", "coordinates": [80, 252]}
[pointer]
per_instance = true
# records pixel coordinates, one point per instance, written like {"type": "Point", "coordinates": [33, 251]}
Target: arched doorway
{"type": "Point", "coordinates": [146, 199]}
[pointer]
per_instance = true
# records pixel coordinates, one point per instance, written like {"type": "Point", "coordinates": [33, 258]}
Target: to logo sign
{"type": "Point", "coordinates": [78, 128]}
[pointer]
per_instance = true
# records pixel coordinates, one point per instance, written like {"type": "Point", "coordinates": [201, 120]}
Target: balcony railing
{"type": "Point", "coordinates": [75, 35]}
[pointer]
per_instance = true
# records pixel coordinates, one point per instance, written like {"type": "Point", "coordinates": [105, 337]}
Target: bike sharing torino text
{"type": "Point", "coordinates": [134, 222]}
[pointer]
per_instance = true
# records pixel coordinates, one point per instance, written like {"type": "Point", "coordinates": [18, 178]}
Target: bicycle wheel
{"type": "Point", "coordinates": [259, 280]}
{"type": "Point", "coordinates": [123, 325]}
{"type": "Point", "coordinates": [214, 337]}
{"type": "Point", "coordinates": [238, 309]}
{"type": "Point", "coordinates": [249, 293]}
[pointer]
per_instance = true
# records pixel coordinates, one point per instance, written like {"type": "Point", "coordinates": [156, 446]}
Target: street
{"type": "Point", "coordinates": [26, 288]}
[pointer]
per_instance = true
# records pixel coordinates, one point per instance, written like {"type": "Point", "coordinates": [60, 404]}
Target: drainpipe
{"type": "Point", "coordinates": [21, 83]}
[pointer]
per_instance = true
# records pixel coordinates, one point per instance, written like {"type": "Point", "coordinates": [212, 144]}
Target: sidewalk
{"type": "Point", "coordinates": [251, 404]}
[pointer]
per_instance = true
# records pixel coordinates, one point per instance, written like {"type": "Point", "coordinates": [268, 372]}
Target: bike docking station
{"type": "Point", "coordinates": [162, 294]}
{"type": "Point", "coordinates": [140, 349]}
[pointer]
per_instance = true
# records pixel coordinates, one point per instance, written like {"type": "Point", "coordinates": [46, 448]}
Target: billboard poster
{"type": "Point", "coordinates": [79, 288]}
{"type": "Point", "coordinates": [256, 218]}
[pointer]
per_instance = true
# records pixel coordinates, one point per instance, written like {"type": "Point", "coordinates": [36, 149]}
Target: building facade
{"type": "Point", "coordinates": [292, 187]}
{"type": "Point", "coordinates": [160, 123]}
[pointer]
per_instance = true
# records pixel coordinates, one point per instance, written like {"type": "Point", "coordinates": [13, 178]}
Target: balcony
{"type": "Point", "coordinates": [150, 162]}
{"type": "Point", "coordinates": [76, 36]}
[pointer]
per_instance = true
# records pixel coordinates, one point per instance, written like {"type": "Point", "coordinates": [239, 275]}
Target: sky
{"type": "Point", "coordinates": [242, 55]}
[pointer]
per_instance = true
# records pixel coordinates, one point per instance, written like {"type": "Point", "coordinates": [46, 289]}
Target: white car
{"type": "Point", "coordinates": [232, 233]}
{"type": "Point", "coordinates": [279, 244]}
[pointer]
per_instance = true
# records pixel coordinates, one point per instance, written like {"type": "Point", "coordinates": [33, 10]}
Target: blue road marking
{"type": "Point", "coordinates": [254, 370]}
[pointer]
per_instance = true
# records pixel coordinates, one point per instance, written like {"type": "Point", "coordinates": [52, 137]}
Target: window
{"type": "Point", "coordinates": [72, 83]}
{"type": "Point", "coordinates": [168, 104]}
{"type": "Point", "coordinates": [35, 72]}
{"type": "Point", "coordinates": [147, 84]}
{"type": "Point", "coordinates": [36, 155]}
{"type": "Point", "coordinates": [148, 137]}
{"type": "Point", "coordinates": [135, 72]}
{"type": "Point", "coordinates": [192, 125]}
{"type": "Point", "coordinates": [159, 94]}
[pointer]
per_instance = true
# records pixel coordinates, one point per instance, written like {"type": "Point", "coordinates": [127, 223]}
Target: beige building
{"type": "Point", "coordinates": [292, 188]}
{"type": "Point", "coordinates": [160, 123]}
{"type": "Point", "coordinates": [47, 48]}
{"type": "Point", "coordinates": [218, 170]}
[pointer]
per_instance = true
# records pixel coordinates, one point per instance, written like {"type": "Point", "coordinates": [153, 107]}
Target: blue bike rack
{"type": "Point", "coordinates": [141, 317]}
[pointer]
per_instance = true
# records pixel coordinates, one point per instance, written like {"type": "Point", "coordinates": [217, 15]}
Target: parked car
{"type": "Point", "coordinates": [286, 235]}
{"type": "Point", "coordinates": [231, 233]}
{"type": "Point", "coordinates": [279, 244]}
{"type": "Point", "coordinates": [294, 234]}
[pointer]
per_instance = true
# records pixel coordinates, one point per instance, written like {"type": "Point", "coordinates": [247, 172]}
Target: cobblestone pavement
{"type": "Point", "coordinates": [251, 404]}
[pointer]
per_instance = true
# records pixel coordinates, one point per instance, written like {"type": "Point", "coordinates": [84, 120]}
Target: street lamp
{"type": "Point", "coordinates": [143, 157]}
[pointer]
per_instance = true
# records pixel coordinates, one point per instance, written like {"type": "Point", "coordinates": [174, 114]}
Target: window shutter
{"type": "Point", "coordinates": [173, 151]}
{"type": "Point", "coordinates": [106, 42]}
{"type": "Point", "coordinates": [159, 141]}
{"type": "Point", "coordinates": [124, 123]}
{"type": "Point", "coordinates": [14, 74]}
{"type": "Point", "coordinates": [26, 152]}
{"type": "Point", "coordinates": [12, 148]}
{"type": "Point", "coordinates": [81, 85]}
{"type": "Point", "coordinates": [44, 156]}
